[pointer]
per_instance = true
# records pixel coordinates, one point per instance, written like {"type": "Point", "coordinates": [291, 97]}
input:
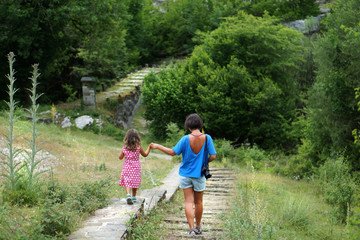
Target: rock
{"type": "Point", "coordinates": [66, 123]}
{"type": "Point", "coordinates": [307, 25]}
{"type": "Point", "coordinates": [45, 113]}
{"type": "Point", "coordinates": [83, 121]}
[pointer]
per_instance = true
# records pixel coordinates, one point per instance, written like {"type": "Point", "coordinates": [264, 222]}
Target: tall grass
{"type": "Point", "coordinates": [273, 207]}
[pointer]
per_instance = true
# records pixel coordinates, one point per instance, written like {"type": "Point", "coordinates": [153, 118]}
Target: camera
{"type": "Point", "coordinates": [206, 171]}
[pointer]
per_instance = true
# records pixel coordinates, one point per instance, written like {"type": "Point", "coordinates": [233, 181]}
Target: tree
{"type": "Point", "coordinates": [239, 80]}
{"type": "Point", "coordinates": [332, 110]}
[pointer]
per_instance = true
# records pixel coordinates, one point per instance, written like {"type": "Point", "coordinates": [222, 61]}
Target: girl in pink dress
{"type": "Point", "coordinates": [131, 172]}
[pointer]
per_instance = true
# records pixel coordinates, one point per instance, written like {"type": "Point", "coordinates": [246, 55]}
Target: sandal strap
{"type": "Point", "coordinates": [198, 230]}
{"type": "Point", "coordinates": [192, 231]}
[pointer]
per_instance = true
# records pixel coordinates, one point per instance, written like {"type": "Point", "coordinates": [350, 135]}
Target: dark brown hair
{"type": "Point", "coordinates": [132, 139]}
{"type": "Point", "coordinates": [193, 121]}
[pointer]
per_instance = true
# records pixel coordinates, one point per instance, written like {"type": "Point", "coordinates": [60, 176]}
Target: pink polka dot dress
{"type": "Point", "coordinates": [131, 172]}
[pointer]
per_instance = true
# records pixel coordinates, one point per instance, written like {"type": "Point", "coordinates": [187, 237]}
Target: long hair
{"type": "Point", "coordinates": [132, 139]}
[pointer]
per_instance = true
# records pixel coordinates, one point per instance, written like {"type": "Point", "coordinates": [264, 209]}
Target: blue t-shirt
{"type": "Point", "coordinates": [191, 163]}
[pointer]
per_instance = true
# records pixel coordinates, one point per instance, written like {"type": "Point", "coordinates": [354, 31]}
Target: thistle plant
{"type": "Point", "coordinates": [10, 166]}
{"type": "Point", "coordinates": [31, 162]}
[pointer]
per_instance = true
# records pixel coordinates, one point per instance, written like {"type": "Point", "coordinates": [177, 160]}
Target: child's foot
{"type": "Point", "coordinates": [133, 199]}
{"type": "Point", "coordinates": [198, 230]}
{"type": "Point", "coordinates": [128, 199]}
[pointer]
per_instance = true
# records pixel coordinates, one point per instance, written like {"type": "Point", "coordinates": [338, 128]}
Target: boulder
{"type": "Point", "coordinates": [83, 121]}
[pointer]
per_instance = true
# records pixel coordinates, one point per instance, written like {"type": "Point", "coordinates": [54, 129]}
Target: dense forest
{"type": "Point", "coordinates": [254, 80]}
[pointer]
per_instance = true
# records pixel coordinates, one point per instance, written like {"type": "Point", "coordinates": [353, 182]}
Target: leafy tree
{"type": "Point", "coordinates": [239, 79]}
{"type": "Point", "coordinates": [35, 31]}
{"type": "Point", "coordinates": [285, 10]}
{"type": "Point", "coordinates": [332, 111]}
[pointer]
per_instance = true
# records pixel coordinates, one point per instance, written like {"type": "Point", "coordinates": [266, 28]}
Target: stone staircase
{"type": "Point", "coordinates": [125, 94]}
{"type": "Point", "coordinates": [217, 199]}
{"type": "Point", "coordinates": [125, 86]}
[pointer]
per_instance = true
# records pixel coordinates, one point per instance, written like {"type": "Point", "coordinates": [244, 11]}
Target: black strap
{"type": "Point", "coordinates": [205, 153]}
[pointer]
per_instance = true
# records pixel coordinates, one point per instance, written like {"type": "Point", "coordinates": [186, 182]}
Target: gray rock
{"type": "Point", "coordinates": [83, 121]}
{"type": "Point", "coordinates": [66, 123]}
{"type": "Point", "coordinates": [306, 25]}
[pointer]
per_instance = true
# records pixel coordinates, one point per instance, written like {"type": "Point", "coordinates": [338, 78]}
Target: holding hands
{"type": "Point", "coordinates": [154, 146]}
{"type": "Point", "coordinates": [166, 150]}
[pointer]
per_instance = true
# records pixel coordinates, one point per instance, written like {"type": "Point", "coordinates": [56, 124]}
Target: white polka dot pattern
{"type": "Point", "coordinates": [131, 172]}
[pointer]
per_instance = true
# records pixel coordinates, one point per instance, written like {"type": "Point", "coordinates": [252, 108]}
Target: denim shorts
{"type": "Point", "coordinates": [199, 184]}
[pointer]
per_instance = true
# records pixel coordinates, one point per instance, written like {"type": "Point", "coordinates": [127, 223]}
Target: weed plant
{"type": "Point", "coordinates": [10, 166]}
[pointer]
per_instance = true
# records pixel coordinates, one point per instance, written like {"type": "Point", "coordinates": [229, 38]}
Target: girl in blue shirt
{"type": "Point", "coordinates": [193, 150]}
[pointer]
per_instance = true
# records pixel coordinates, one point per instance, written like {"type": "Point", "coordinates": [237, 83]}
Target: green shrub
{"type": "Point", "coordinates": [18, 223]}
{"type": "Point", "coordinates": [113, 131]}
{"type": "Point", "coordinates": [338, 185]}
{"type": "Point", "coordinates": [58, 220]}
{"type": "Point", "coordinates": [174, 134]}
{"type": "Point", "coordinates": [89, 196]}
{"type": "Point", "coordinates": [353, 226]}
{"type": "Point", "coordinates": [22, 193]}
{"type": "Point", "coordinates": [294, 166]}
{"type": "Point", "coordinates": [223, 148]}
{"type": "Point", "coordinates": [111, 104]}
{"type": "Point", "coordinates": [250, 156]}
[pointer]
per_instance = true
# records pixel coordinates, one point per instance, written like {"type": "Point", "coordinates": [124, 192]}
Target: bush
{"type": "Point", "coordinates": [22, 194]}
{"type": "Point", "coordinates": [174, 134]}
{"type": "Point", "coordinates": [18, 223]}
{"type": "Point", "coordinates": [89, 196]}
{"type": "Point", "coordinates": [57, 220]}
{"type": "Point", "coordinates": [338, 185]}
{"type": "Point", "coordinates": [223, 148]}
{"type": "Point", "coordinates": [353, 225]}
{"type": "Point", "coordinates": [251, 156]}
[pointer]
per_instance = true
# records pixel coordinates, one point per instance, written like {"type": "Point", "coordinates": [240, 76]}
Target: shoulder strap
{"type": "Point", "coordinates": [205, 150]}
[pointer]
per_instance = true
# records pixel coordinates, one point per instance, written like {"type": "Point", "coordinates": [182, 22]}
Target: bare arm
{"type": "Point", "coordinates": [145, 154]}
{"type": "Point", "coordinates": [166, 150]}
{"type": "Point", "coordinates": [212, 158]}
{"type": "Point", "coordinates": [121, 155]}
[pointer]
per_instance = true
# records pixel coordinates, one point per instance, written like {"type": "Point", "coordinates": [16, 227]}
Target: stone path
{"type": "Point", "coordinates": [219, 190]}
{"type": "Point", "coordinates": [112, 222]}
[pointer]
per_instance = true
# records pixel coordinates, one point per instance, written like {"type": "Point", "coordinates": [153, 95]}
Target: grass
{"type": "Point", "coordinates": [294, 209]}
{"type": "Point", "coordinates": [76, 157]}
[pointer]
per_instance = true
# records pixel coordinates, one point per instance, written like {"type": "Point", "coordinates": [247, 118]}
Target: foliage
{"type": "Point", "coordinates": [223, 148]}
{"type": "Point", "coordinates": [174, 134]}
{"type": "Point", "coordinates": [252, 157]}
{"type": "Point", "coordinates": [243, 91]}
{"type": "Point", "coordinates": [338, 185]}
{"type": "Point", "coordinates": [353, 225]}
{"type": "Point", "coordinates": [332, 110]}
{"type": "Point", "coordinates": [70, 92]}
{"type": "Point", "coordinates": [56, 213]}
{"type": "Point", "coordinates": [285, 10]}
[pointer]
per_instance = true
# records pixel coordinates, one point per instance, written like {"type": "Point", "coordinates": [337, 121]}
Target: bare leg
{"type": "Point", "coordinates": [127, 189]}
{"type": "Point", "coordinates": [198, 199]}
{"type": "Point", "coordinates": [134, 192]}
{"type": "Point", "coordinates": [189, 206]}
